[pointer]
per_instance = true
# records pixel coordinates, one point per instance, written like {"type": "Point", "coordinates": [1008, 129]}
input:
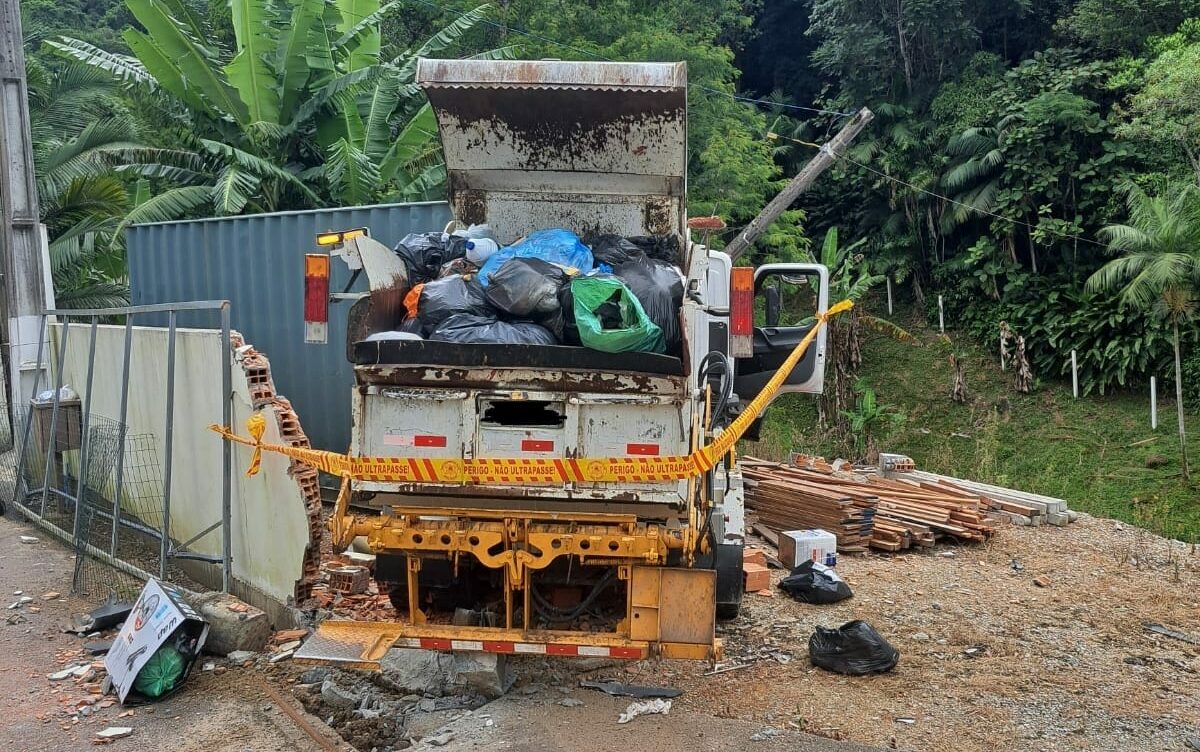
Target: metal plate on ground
{"type": "Point", "coordinates": [349, 644]}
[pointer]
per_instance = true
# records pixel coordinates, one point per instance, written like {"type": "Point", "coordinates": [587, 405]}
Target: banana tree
{"type": "Point", "coordinates": [305, 108]}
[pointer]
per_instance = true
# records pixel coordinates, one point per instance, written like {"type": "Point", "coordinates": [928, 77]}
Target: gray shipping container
{"type": "Point", "coordinates": [257, 263]}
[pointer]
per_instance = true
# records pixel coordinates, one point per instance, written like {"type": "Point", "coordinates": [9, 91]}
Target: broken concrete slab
{"type": "Point", "coordinates": [334, 695]}
{"type": "Point", "coordinates": [429, 672]}
{"type": "Point", "coordinates": [233, 624]}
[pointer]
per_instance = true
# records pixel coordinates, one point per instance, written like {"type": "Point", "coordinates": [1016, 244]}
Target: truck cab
{"type": "Point", "coordinates": [626, 566]}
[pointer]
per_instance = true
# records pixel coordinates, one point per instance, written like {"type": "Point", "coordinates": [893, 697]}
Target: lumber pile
{"type": "Point", "coordinates": [789, 498]}
{"type": "Point", "coordinates": [885, 513]}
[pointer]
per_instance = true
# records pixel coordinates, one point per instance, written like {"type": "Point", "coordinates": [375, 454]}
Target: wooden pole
{"type": "Point", "coordinates": [1074, 376]}
{"type": "Point", "coordinates": [1002, 352]}
{"type": "Point", "coordinates": [803, 180]}
{"type": "Point", "coordinates": [889, 286]}
{"type": "Point", "coordinates": [941, 316]}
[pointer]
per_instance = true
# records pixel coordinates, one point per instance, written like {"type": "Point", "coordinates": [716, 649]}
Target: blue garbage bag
{"type": "Point", "coordinates": [561, 247]}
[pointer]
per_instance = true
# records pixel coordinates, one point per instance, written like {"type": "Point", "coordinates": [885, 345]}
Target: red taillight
{"type": "Point", "coordinates": [741, 312]}
{"type": "Point", "coordinates": [316, 298]}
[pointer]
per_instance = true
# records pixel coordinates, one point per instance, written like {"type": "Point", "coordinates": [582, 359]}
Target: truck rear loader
{"type": "Point", "coordinates": [550, 550]}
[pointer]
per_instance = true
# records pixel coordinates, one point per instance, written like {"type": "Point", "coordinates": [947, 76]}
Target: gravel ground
{"type": "Point", "coordinates": [987, 653]}
{"type": "Point", "coordinates": [1035, 641]}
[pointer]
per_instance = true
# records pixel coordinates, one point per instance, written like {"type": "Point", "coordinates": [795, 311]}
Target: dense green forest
{"type": "Point", "coordinates": [1031, 162]}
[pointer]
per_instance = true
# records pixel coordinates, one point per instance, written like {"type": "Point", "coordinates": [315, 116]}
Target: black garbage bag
{"type": "Point", "coordinates": [528, 289]}
{"type": "Point", "coordinates": [665, 248]}
{"type": "Point", "coordinates": [469, 329]}
{"type": "Point", "coordinates": [659, 288]}
{"type": "Point", "coordinates": [424, 254]}
{"type": "Point", "coordinates": [613, 250]}
{"type": "Point", "coordinates": [854, 648]}
{"type": "Point", "coordinates": [815, 583]}
{"type": "Point", "coordinates": [445, 297]}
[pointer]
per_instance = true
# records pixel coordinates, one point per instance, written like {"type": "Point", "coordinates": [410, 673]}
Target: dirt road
{"type": "Point", "coordinates": [229, 711]}
{"type": "Point", "coordinates": [1036, 640]}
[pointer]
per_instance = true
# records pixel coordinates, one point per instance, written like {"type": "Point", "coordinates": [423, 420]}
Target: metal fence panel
{"type": "Point", "coordinates": [257, 263]}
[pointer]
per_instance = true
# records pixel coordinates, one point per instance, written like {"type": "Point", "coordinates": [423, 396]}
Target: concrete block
{"type": "Point", "coordinates": [485, 673]}
{"type": "Point", "coordinates": [433, 673]}
{"type": "Point", "coordinates": [233, 625]}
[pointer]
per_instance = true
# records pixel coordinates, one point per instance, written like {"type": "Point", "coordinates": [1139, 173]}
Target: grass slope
{"type": "Point", "coordinates": [1091, 452]}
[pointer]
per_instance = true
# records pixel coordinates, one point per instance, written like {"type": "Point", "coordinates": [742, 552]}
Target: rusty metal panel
{"type": "Point", "coordinates": [596, 147]}
{"type": "Point", "coordinates": [673, 605]}
{"type": "Point", "coordinates": [257, 262]}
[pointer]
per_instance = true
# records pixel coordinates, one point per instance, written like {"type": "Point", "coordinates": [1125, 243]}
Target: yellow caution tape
{"type": "Point", "coordinates": [532, 471]}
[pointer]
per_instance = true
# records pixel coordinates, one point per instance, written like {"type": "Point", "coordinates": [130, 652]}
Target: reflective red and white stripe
{"type": "Point", "coordinates": [524, 648]}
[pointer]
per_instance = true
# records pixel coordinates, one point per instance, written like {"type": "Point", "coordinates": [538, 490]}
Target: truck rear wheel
{"type": "Point", "coordinates": [730, 586]}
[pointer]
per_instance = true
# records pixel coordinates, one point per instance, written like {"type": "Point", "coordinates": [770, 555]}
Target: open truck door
{"type": "Point", "coordinates": [772, 308]}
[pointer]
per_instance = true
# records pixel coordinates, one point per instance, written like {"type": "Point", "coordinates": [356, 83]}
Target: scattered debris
{"type": "Point", "coordinates": [1174, 634]}
{"type": "Point", "coordinates": [440, 740]}
{"type": "Point", "coordinates": [65, 673]}
{"type": "Point", "coordinates": [1042, 582]}
{"type": "Point", "coordinates": [283, 655]}
{"type": "Point", "coordinates": [630, 690]}
{"type": "Point", "coordinates": [906, 720]}
{"type": "Point", "coordinates": [21, 602]}
{"type": "Point", "coordinates": [570, 702]}
{"type": "Point", "coordinates": [351, 579]}
{"type": "Point", "coordinates": [770, 732]}
{"type": "Point", "coordinates": [28, 539]}
{"type": "Point", "coordinates": [241, 656]}
{"type": "Point", "coordinates": [645, 707]}
{"type": "Point", "coordinates": [115, 732]}
{"type": "Point", "coordinates": [110, 613]}
{"type": "Point", "coordinates": [52, 595]}
{"type": "Point", "coordinates": [99, 647]}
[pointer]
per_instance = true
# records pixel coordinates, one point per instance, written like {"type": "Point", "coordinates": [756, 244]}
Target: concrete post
{"type": "Point", "coordinates": [21, 240]}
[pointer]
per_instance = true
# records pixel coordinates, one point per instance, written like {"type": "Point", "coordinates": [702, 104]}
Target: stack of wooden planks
{"type": "Point", "coordinates": [886, 513]}
{"type": "Point", "coordinates": [789, 498]}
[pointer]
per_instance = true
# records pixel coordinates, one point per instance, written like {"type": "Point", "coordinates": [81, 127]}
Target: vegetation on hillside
{"type": "Point", "coordinates": [1007, 138]}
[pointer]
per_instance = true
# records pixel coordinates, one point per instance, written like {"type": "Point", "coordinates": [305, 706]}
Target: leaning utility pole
{"type": "Point", "coordinates": [805, 178]}
{"type": "Point", "coordinates": [24, 293]}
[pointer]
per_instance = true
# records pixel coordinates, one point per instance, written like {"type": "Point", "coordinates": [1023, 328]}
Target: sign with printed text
{"type": "Point", "coordinates": [159, 611]}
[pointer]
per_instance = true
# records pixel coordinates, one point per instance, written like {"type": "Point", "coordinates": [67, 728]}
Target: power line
{"type": "Point", "coordinates": [885, 176]}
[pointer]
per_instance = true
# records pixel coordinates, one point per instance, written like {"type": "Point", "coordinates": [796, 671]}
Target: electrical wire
{"type": "Point", "coordinates": [905, 183]}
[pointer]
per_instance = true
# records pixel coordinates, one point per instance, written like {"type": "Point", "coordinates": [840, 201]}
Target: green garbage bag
{"type": "Point", "coordinates": [160, 673]}
{"type": "Point", "coordinates": [610, 318]}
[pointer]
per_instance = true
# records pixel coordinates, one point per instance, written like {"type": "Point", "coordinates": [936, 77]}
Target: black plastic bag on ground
{"type": "Point", "coordinates": [854, 648]}
{"type": "Point", "coordinates": [445, 297]}
{"type": "Point", "coordinates": [613, 250]}
{"type": "Point", "coordinates": [659, 288]}
{"type": "Point", "coordinates": [424, 253]}
{"type": "Point", "coordinates": [815, 583]}
{"type": "Point", "coordinates": [468, 329]}
{"type": "Point", "coordinates": [529, 289]}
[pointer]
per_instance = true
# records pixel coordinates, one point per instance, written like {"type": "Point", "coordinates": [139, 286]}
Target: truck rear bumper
{"type": "Point", "coordinates": [362, 645]}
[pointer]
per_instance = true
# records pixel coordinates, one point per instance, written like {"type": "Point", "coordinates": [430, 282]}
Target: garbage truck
{"type": "Point", "coordinates": [543, 551]}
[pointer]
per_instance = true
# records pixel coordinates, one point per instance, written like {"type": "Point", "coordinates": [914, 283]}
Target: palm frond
{"type": "Point", "coordinates": [168, 205]}
{"type": "Point", "coordinates": [93, 295]}
{"type": "Point", "coordinates": [123, 68]}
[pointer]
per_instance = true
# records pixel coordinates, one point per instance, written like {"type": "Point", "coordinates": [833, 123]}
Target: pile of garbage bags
{"type": "Point", "coordinates": [612, 293]}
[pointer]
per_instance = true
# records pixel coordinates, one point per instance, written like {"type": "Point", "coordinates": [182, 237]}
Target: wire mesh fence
{"type": "Point", "coordinates": [86, 478]}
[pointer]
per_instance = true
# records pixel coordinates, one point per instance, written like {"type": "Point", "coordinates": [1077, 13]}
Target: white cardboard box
{"type": "Point", "coordinates": [797, 546]}
{"type": "Point", "coordinates": [160, 612]}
